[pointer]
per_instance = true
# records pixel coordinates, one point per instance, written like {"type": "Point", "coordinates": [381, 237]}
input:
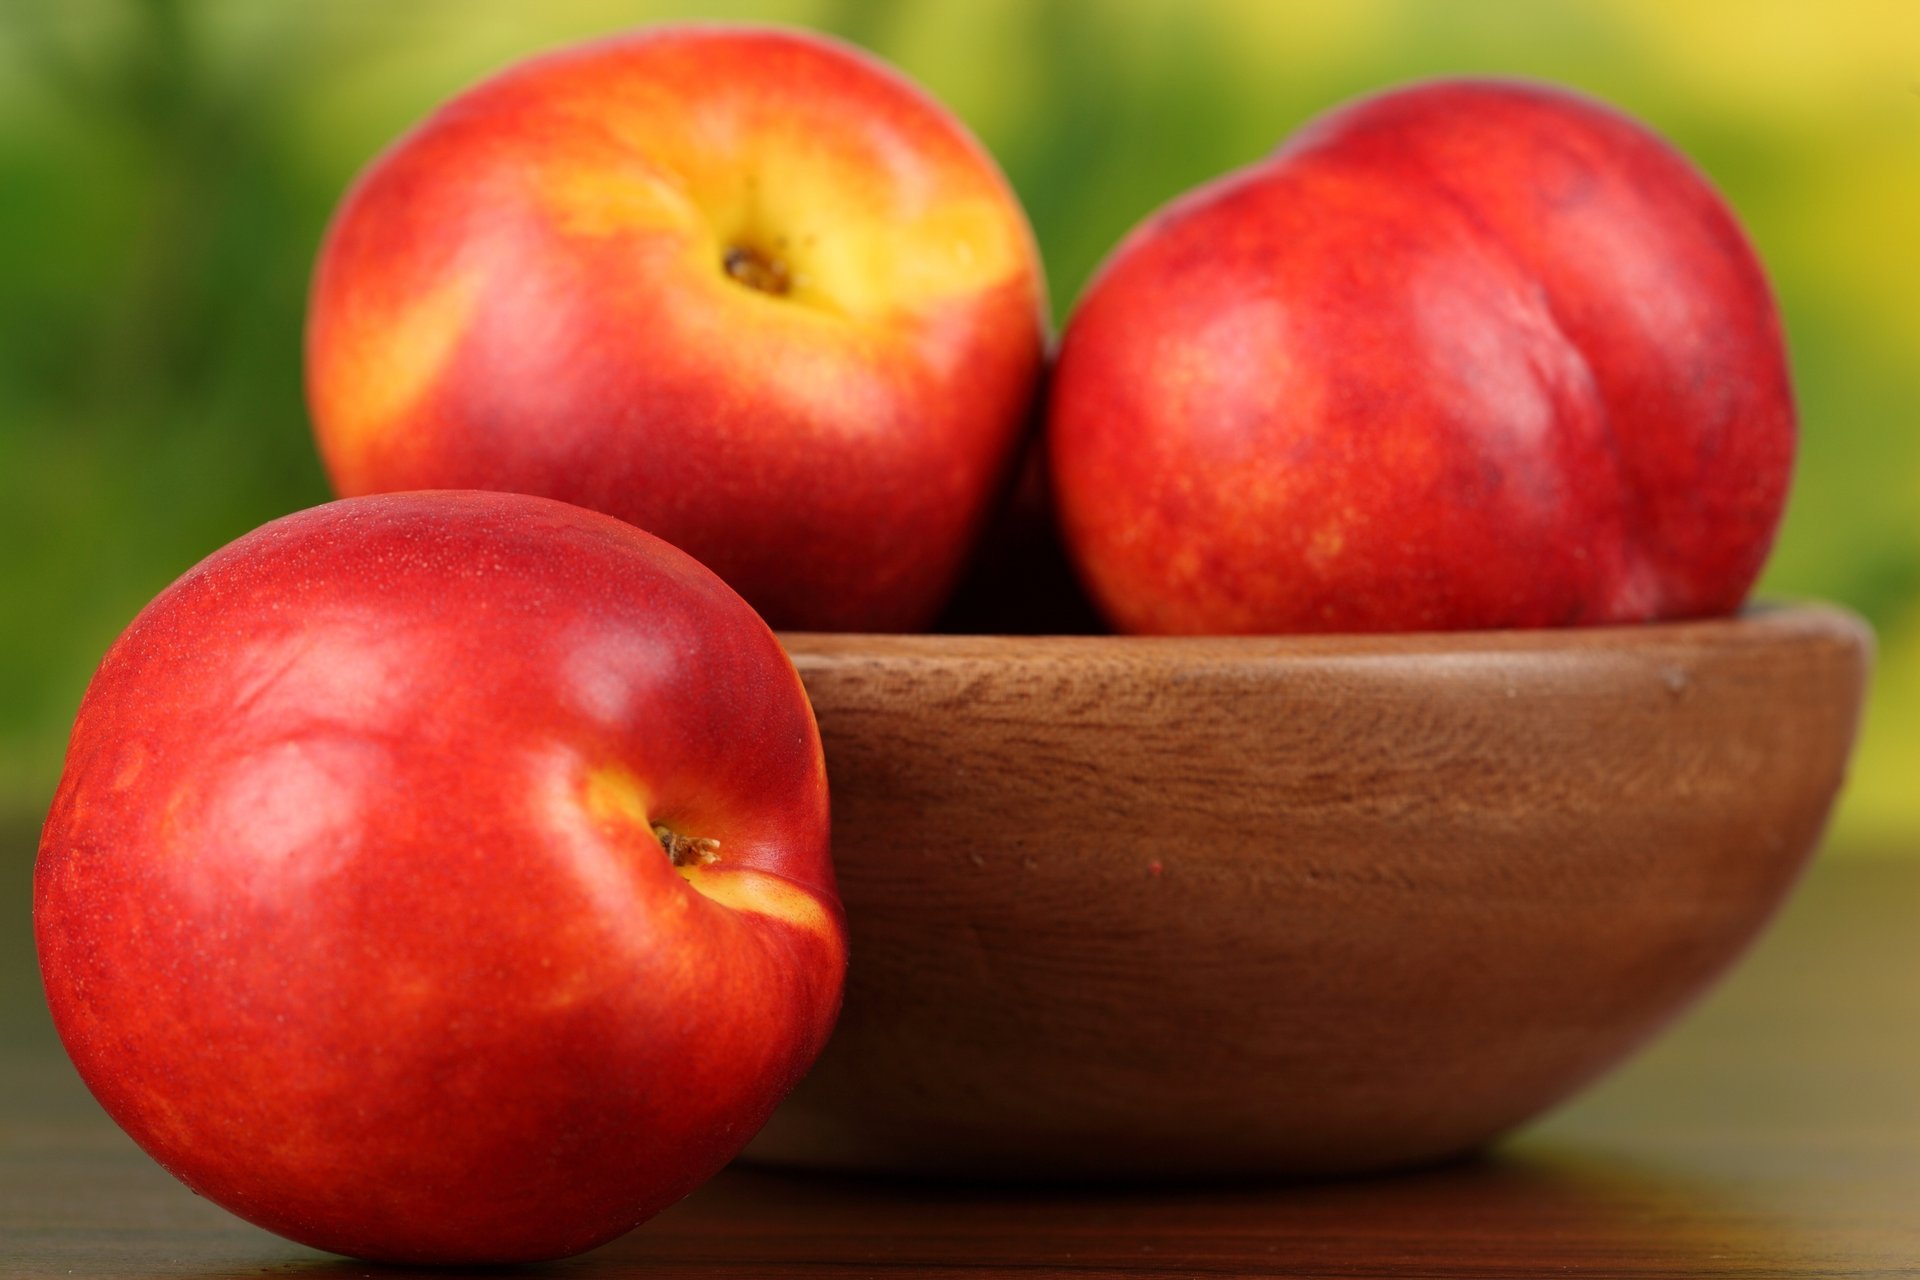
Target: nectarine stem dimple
{"type": "Point", "coordinates": [758, 270]}
{"type": "Point", "coordinates": [687, 851]}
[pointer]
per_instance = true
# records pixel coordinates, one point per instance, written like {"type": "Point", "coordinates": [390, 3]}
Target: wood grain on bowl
{"type": "Point", "coordinates": [1125, 907]}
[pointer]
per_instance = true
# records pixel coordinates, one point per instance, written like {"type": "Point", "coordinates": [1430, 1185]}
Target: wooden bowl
{"type": "Point", "coordinates": [1130, 907]}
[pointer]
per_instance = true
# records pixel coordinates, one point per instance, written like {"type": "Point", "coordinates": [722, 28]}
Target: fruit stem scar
{"type": "Point", "coordinates": [687, 851]}
{"type": "Point", "coordinates": [758, 270]}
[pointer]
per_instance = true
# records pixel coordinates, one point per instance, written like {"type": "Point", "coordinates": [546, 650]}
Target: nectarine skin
{"type": "Point", "coordinates": [746, 288]}
{"type": "Point", "coordinates": [350, 906]}
{"type": "Point", "coordinates": [1462, 355]}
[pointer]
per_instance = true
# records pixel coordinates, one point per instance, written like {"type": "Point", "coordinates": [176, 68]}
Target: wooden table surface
{"type": "Point", "coordinates": [1774, 1133]}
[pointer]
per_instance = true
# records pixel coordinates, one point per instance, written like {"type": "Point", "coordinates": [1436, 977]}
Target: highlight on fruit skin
{"type": "Point", "coordinates": [1467, 354]}
{"type": "Point", "coordinates": [353, 907]}
{"type": "Point", "coordinates": [744, 287]}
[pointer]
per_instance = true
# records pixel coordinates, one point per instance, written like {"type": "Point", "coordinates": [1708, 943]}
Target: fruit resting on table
{"type": "Point", "coordinates": [358, 906]}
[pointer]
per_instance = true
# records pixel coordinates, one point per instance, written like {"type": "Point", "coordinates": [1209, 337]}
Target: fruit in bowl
{"type": "Point", "coordinates": [1461, 362]}
{"type": "Point", "coordinates": [743, 287]}
{"type": "Point", "coordinates": [1461, 355]}
{"type": "Point", "coordinates": [442, 877]}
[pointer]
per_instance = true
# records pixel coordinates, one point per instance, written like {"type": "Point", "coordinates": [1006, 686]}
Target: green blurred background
{"type": "Point", "coordinates": [167, 166]}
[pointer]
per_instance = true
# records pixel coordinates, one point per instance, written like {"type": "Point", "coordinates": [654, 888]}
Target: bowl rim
{"type": "Point", "coordinates": [1767, 624]}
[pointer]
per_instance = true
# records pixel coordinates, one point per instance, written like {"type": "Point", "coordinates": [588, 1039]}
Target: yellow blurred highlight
{"type": "Point", "coordinates": [615, 795]}
{"type": "Point", "coordinates": [594, 201]}
{"type": "Point", "coordinates": [758, 893]}
{"type": "Point", "coordinates": [859, 227]}
{"type": "Point", "coordinates": [388, 359]}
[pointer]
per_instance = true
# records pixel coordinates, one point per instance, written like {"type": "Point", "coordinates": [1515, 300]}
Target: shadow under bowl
{"type": "Point", "coordinates": [1137, 907]}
